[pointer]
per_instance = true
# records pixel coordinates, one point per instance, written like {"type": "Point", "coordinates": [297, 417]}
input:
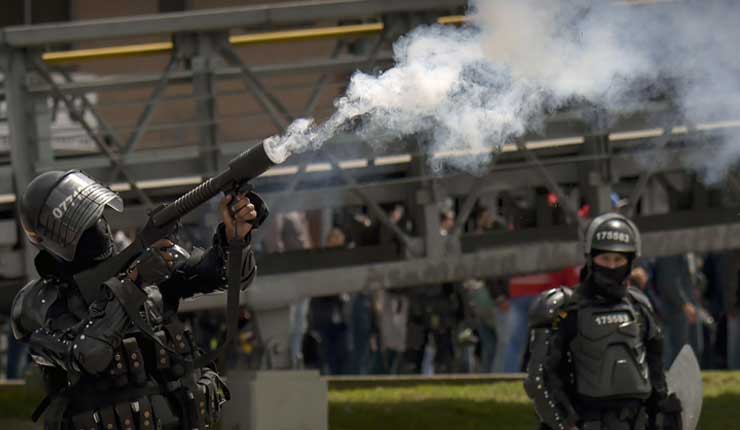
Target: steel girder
{"type": "Point", "coordinates": [216, 19]}
{"type": "Point", "coordinates": [516, 253]}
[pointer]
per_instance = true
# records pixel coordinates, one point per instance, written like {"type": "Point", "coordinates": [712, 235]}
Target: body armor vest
{"type": "Point", "coordinates": [146, 386]}
{"type": "Point", "coordinates": [609, 353]}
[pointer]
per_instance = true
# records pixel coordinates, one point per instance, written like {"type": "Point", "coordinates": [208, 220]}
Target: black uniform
{"type": "Point", "coordinates": [124, 361]}
{"type": "Point", "coordinates": [596, 353]}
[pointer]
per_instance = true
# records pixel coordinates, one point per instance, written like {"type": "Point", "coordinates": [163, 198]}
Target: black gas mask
{"type": "Point", "coordinates": [95, 245]}
{"type": "Point", "coordinates": [611, 284]}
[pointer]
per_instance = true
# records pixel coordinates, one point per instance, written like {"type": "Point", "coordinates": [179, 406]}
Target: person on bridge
{"type": "Point", "coordinates": [123, 360]}
{"type": "Point", "coordinates": [596, 353]}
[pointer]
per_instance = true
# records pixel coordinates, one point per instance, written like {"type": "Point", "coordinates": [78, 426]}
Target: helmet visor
{"type": "Point", "coordinates": [73, 205]}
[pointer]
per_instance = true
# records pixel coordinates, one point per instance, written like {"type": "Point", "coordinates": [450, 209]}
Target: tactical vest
{"type": "Point", "coordinates": [609, 353]}
{"type": "Point", "coordinates": [151, 384]}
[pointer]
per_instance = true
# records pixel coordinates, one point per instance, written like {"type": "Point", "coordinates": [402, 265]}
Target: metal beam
{"type": "Point", "coordinates": [21, 129]}
{"type": "Point", "coordinates": [511, 172]}
{"type": "Point", "coordinates": [151, 104]}
{"type": "Point", "coordinates": [87, 106]}
{"type": "Point", "coordinates": [146, 115]}
{"type": "Point", "coordinates": [202, 50]}
{"type": "Point", "coordinates": [216, 19]}
{"type": "Point", "coordinates": [469, 203]}
{"type": "Point", "coordinates": [278, 203]}
{"type": "Point", "coordinates": [644, 179]}
{"type": "Point", "coordinates": [77, 116]}
{"type": "Point", "coordinates": [552, 183]}
{"type": "Point", "coordinates": [374, 207]}
{"type": "Point", "coordinates": [78, 55]}
{"type": "Point", "coordinates": [346, 63]}
{"type": "Point", "coordinates": [276, 111]}
{"type": "Point", "coordinates": [318, 87]}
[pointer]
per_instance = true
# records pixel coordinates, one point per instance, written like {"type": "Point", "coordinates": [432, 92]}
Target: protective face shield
{"type": "Point", "coordinates": [61, 210]}
{"type": "Point", "coordinates": [616, 234]}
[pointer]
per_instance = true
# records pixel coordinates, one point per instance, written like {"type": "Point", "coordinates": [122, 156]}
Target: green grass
{"type": "Point", "coordinates": [497, 405]}
{"type": "Point", "coordinates": [19, 402]}
{"type": "Point", "coordinates": [450, 406]}
{"type": "Point", "coordinates": [431, 407]}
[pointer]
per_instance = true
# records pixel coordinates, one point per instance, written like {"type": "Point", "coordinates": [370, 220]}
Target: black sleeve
{"type": "Point", "coordinates": [557, 367]}
{"type": "Point", "coordinates": [206, 270]}
{"type": "Point", "coordinates": [654, 354]}
{"type": "Point", "coordinates": [653, 337]}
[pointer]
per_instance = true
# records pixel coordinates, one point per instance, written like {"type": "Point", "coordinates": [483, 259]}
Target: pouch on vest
{"type": "Point", "coordinates": [125, 416]}
{"type": "Point", "coordinates": [134, 359]}
{"type": "Point", "coordinates": [87, 420]}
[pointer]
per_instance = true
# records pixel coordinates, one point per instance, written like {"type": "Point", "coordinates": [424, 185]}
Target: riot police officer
{"type": "Point", "coordinates": [122, 360]}
{"type": "Point", "coordinates": [596, 352]}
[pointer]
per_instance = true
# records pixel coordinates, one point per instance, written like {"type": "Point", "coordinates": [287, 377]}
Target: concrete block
{"type": "Point", "coordinates": [276, 400]}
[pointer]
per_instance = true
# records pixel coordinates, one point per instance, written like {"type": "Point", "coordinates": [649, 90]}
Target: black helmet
{"type": "Point", "coordinates": [57, 207]}
{"type": "Point", "coordinates": [613, 232]}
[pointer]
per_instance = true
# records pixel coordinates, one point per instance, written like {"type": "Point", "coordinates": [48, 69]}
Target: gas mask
{"type": "Point", "coordinates": [609, 283]}
{"type": "Point", "coordinates": [95, 245]}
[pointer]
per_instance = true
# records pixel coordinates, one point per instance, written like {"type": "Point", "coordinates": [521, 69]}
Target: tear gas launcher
{"type": "Point", "coordinates": [163, 220]}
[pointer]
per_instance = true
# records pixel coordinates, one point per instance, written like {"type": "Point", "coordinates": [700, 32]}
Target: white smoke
{"type": "Point", "coordinates": [479, 87]}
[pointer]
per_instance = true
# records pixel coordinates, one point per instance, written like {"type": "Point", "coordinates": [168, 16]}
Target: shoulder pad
{"type": "Point", "coordinates": [548, 305]}
{"type": "Point", "coordinates": [641, 298]}
{"type": "Point", "coordinates": [31, 305]}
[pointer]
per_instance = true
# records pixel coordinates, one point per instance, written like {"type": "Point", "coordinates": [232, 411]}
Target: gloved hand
{"type": "Point", "coordinates": [154, 266]}
{"type": "Point", "coordinates": [242, 213]}
{"type": "Point", "coordinates": [667, 414]}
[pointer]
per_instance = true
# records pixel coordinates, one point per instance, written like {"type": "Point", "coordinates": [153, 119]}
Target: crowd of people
{"type": "Point", "coordinates": [480, 325]}
{"type": "Point", "coordinates": [476, 325]}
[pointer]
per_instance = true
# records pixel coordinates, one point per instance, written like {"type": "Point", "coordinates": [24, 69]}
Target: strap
{"type": "Point", "coordinates": [132, 298]}
{"type": "Point", "coordinates": [55, 404]}
{"type": "Point", "coordinates": [236, 250]}
{"type": "Point", "coordinates": [42, 407]}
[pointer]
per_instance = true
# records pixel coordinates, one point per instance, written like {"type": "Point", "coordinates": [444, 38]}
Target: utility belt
{"type": "Point", "coordinates": [146, 387]}
{"type": "Point", "coordinates": [190, 406]}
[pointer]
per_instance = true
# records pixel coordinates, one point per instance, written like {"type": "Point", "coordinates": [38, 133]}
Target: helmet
{"type": "Point", "coordinates": [57, 207]}
{"type": "Point", "coordinates": [613, 232]}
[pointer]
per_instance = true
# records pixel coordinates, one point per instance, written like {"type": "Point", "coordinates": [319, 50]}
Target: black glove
{"type": "Point", "coordinates": [667, 415]}
{"type": "Point", "coordinates": [152, 267]}
{"type": "Point", "coordinates": [260, 207]}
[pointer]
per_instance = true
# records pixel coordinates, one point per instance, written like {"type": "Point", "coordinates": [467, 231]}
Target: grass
{"type": "Point", "coordinates": [439, 406]}
{"type": "Point", "coordinates": [499, 405]}
{"type": "Point", "coordinates": [431, 407]}
{"type": "Point", "coordinates": [19, 402]}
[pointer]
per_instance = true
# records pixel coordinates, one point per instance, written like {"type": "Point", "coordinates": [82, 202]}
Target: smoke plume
{"type": "Point", "coordinates": [481, 86]}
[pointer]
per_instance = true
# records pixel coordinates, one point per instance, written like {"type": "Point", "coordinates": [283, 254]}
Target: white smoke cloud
{"type": "Point", "coordinates": [479, 87]}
